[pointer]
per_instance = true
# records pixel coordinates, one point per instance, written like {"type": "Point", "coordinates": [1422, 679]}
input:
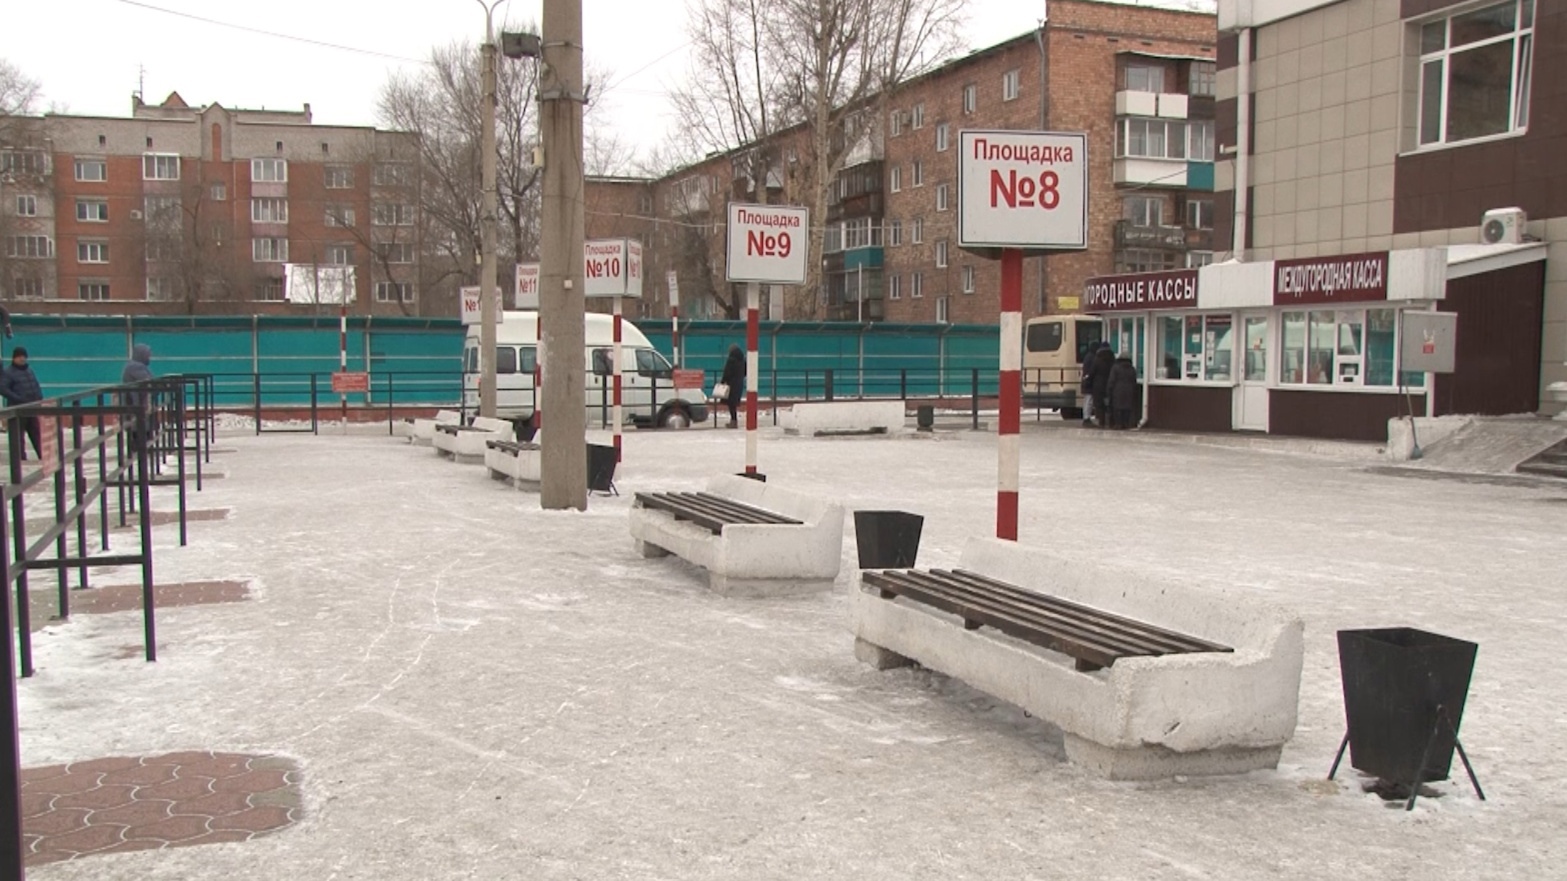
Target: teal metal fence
{"type": "Point", "coordinates": [73, 353]}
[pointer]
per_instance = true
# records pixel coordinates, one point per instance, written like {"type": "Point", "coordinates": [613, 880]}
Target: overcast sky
{"type": "Point", "coordinates": [89, 54]}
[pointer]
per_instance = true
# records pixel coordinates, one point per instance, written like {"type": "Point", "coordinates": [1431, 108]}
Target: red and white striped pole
{"type": "Point", "coordinates": [342, 355]}
{"type": "Point", "coordinates": [538, 374]}
{"type": "Point", "coordinates": [1007, 440]}
{"type": "Point", "coordinates": [753, 337]}
{"type": "Point", "coordinates": [614, 368]}
{"type": "Point", "coordinates": [674, 316]}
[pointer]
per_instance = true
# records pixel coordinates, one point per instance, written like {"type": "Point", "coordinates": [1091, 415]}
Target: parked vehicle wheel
{"type": "Point", "coordinates": [675, 417]}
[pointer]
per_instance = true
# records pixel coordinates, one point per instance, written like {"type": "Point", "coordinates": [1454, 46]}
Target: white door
{"type": "Point", "coordinates": [1251, 395]}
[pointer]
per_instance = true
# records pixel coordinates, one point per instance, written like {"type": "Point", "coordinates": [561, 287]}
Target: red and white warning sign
{"type": "Point", "coordinates": [767, 243]}
{"type": "Point", "coordinates": [1024, 190]}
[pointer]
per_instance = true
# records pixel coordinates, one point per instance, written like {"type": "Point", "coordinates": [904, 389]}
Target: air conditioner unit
{"type": "Point", "coordinates": [135, 215]}
{"type": "Point", "coordinates": [1503, 226]}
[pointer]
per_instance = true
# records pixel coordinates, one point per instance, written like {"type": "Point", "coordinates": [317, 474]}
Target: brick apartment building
{"type": "Point", "coordinates": [179, 209]}
{"type": "Point", "coordinates": [1140, 81]}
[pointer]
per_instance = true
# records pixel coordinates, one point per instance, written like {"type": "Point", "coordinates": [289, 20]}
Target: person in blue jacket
{"type": "Point", "coordinates": [19, 386]}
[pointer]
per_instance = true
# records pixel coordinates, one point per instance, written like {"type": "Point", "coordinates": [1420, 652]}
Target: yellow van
{"type": "Point", "coordinates": [1053, 350]}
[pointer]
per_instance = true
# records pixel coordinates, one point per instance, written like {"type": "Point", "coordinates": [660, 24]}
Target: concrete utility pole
{"type": "Point", "coordinates": [487, 223]}
{"type": "Point", "coordinates": [564, 450]}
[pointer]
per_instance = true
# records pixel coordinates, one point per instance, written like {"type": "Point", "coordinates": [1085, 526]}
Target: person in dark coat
{"type": "Point", "coordinates": [1122, 392]}
{"type": "Point", "coordinates": [1099, 380]}
{"type": "Point", "coordinates": [1086, 386]}
{"type": "Point", "coordinates": [139, 369]}
{"type": "Point", "coordinates": [19, 386]}
{"type": "Point", "coordinates": [734, 377]}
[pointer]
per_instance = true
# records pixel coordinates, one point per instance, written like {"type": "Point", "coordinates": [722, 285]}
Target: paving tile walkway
{"type": "Point", "coordinates": [43, 598]}
{"type": "Point", "coordinates": [113, 805]}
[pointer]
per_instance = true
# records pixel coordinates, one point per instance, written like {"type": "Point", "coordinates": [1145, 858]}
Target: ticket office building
{"type": "Point", "coordinates": [1310, 347]}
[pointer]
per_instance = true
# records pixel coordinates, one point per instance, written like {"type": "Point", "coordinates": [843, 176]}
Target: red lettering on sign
{"type": "Point", "coordinates": [762, 244]}
{"type": "Point", "coordinates": [1025, 192]}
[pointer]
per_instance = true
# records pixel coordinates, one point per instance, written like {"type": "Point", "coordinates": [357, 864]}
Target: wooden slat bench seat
{"type": "Point", "coordinates": [1094, 638]}
{"type": "Point", "coordinates": [709, 511]}
{"type": "Point", "coordinates": [510, 447]}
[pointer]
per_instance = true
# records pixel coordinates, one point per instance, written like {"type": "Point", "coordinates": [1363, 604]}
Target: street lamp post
{"type": "Point", "coordinates": [488, 306]}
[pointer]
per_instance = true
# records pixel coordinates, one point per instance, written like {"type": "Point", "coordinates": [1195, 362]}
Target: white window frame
{"type": "Point", "coordinates": [92, 251]}
{"type": "Point", "coordinates": [266, 209]}
{"type": "Point", "coordinates": [895, 122]}
{"type": "Point", "coordinates": [1202, 79]}
{"type": "Point", "coordinates": [160, 288]}
{"type": "Point", "coordinates": [896, 184]}
{"type": "Point", "coordinates": [158, 210]}
{"type": "Point", "coordinates": [269, 249]}
{"type": "Point", "coordinates": [1146, 260]}
{"type": "Point", "coordinates": [968, 279]}
{"type": "Point", "coordinates": [1202, 361]}
{"type": "Point", "coordinates": [917, 117]}
{"type": "Point", "coordinates": [917, 286]}
{"type": "Point", "coordinates": [27, 205]}
{"type": "Point", "coordinates": [340, 217]}
{"type": "Point", "coordinates": [337, 250]}
{"type": "Point", "coordinates": [1201, 144]}
{"type": "Point", "coordinates": [1011, 85]}
{"type": "Point", "coordinates": [943, 311]}
{"type": "Point", "coordinates": [1173, 133]}
{"type": "Point", "coordinates": [27, 287]}
{"type": "Point", "coordinates": [1198, 259]}
{"type": "Point", "coordinates": [396, 253]}
{"type": "Point", "coordinates": [918, 177]}
{"type": "Point", "coordinates": [95, 286]}
{"type": "Point", "coordinates": [337, 176]}
{"type": "Point", "coordinates": [1135, 210]}
{"type": "Point", "coordinates": [160, 166]}
{"type": "Point", "coordinates": [1522, 39]}
{"type": "Point", "coordinates": [943, 137]}
{"type": "Point", "coordinates": [384, 292]}
{"type": "Point", "coordinates": [1203, 209]}
{"type": "Point", "coordinates": [269, 170]}
{"type": "Point", "coordinates": [218, 191]}
{"type": "Point", "coordinates": [396, 174]}
{"type": "Point", "coordinates": [29, 247]}
{"type": "Point", "coordinates": [918, 235]}
{"type": "Point", "coordinates": [1144, 78]}
{"type": "Point", "coordinates": [894, 287]}
{"type": "Point", "coordinates": [391, 214]}
{"type": "Point", "coordinates": [267, 286]}
{"type": "Point", "coordinates": [970, 98]}
{"type": "Point", "coordinates": [92, 210]}
{"type": "Point", "coordinates": [92, 162]}
{"type": "Point", "coordinates": [943, 256]}
{"type": "Point", "coordinates": [894, 233]}
{"type": "Point", "coordinates": [1338, 378]}
{"type": "Point", "coordinates": [943, 200]}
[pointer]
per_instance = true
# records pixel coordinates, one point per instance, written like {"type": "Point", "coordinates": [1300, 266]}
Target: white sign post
{"type": "Point", "coordinates": [674, 313]}
{"type": "Point", "coordinates": [767, 244]}
{"type": "Point", "coordinates": [613, 268]}
{"type": "Point", "coordinates": [1017, 192]}
{"type": "Point", "coordinates": [526, 290]}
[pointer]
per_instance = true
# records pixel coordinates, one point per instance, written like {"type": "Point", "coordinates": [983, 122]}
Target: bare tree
{"type": "Point", "coordinates": [26, 189]}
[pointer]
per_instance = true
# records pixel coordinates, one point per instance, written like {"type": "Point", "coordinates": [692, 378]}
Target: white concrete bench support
{"type": "Point", "coordinates": [816, 418]}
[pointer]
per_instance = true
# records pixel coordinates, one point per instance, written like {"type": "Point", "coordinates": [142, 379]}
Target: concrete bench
{"type": "Point", "coordinates": [514, 462]}
{"type": "Point", "coordinates": [1127, 717]}
{"type": "Point", "coordinates": [750, 558]}
{"type": "Point", "coordinates": [828, 418]}
{"type": "Point", "coordinates": [466, 443]}
{"type": "Point", "coordinates": [422, 432]}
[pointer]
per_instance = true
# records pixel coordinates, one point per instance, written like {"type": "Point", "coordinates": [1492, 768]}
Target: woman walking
{"type": "Point", "coordinates": [734, 377]}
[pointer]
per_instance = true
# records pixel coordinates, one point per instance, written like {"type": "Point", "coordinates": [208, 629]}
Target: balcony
{"type": "Point", "coordinates": [1162, 105]}
{"type": "Point", "coordinates": [1170, 238]}
{"type": "Point", "coordinates": [1151, 172]}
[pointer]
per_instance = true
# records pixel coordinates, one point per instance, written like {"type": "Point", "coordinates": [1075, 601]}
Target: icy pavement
{"type": "Point", "coordinates": [476, 689]}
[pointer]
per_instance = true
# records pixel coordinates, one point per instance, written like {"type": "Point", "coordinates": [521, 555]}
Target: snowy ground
{"type": "Point", "coordinates": [478, 689]}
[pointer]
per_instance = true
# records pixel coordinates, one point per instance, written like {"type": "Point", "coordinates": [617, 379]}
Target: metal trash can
{"type": "Point", "coordinates": [601, 468]}
{"type": "Point", "coordinates": [925, 417]}
{"type": "Point", "coordinates": [887, 539]}
{"type": "Point", "coordinates": [1404, 692]}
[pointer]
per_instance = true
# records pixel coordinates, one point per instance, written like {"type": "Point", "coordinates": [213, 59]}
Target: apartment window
{"type": "Point", "coordinates": [1200, 141]}
{"type": "Point", "coordinates": [895, 123]}
{"type": "Point", "coordinates": [895, 233]}
{"type": "Point", "coordinates": [395, 252]}
{"type": "Point", "coordinates": [1146, 260]}
{"type": "Point", "coordinates": [269, 170]}
{"type": "Point", "coordinates": [29, 246]}
{"type": "Point", "coordinates": [895, 287]}
{"type": "Point", "coordinates": [1143, 211]}
{"type": "Point", "coordinates": [92, 252]}
{"type": "Point", "coordinates": [919, 231]}
{"type": "Point", "coordinates": [919, 173]}
{"type": "Point", "coordinates": [26, 206]}
{"type": "Point", "coordinates": [219, 191]}
{"type": "Point", "coordinates": [162, 248]}
{"type": "Point", "coordinates": [269, 211]}
{"type": "Point", "coordinates": [1199, 213]}
{"type": "Point", "coordinates": [392, 174]}
{"type": "Point", "coordinates": [943, 313]}
{"type": "Point", "coordinates": [268, 249]}
{"type": "Point", "coordinates": [897, 179]}
{"type": "Point", "coordinates": [1200, 79]}
{"type": "Point", "coordinates": [161, 210]}
{"type": "Point", "coordinates": [393, 215]}
{"type": "Point", "coordinates": [341, 216]}
{"type": "Point", "coordinates": [1151, 138]}
{"type": "Point", "coordinates": [27, 287]}
{"type": "Point", "coordinates": [832, 238]}
{"type": "Point", "coordinates": [970, 98]}
{"type": "Point", "coordinates": [268, 289]}
{"type": "Point", "coordinates": [160, 288]}
{"type": "Point", "coordinates": [968, 279]}
{"type": "Point", "coordinates": [918, 116]}
{"type": "Point", "coordinates": [340, 254]}
{"type": "Point", "coordinates": [92, 290]}
{"type": "Point", "coordinates": [160, 166]}
{"type": "Point", "coordinates": [941, 197]}
{"type": "Point", "coordinates": [943, 138]}
{"type": "Point", "coordinates": [92, 170]}
{"type": "Point", "coordinates": [339, 177]}
{"type": "Point", "coordinates": [1198, 259]}
{"type": "Point", "coordinates": [394, 292]}
{"type": "Point", "coordinates": [1143, 78]}
{"type": "Point", "coordinates": [27, 162]}
{"type": "Point", "coordinates": [917, 286]}
{"type": "Point", "coordinates": [1474, 73]}
{"type": "Point", "coordinates": [1011, 84]}
{"type": "Point", "coordinates": [941, 254]}
{"type": "Point", "coordinates": [92, 210]}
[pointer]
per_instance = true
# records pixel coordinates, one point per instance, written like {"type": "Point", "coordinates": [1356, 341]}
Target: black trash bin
{"type": "Point", "coordinates": [1398, 683]}
{"type": "Point", "coordinates": [887, 539]}
{"type": "Point", "coordinates": [601, 468]}
{"type": "Point", "coordinates": [925, 417]}
{"type": "Point", "coordinates": [524, 429]}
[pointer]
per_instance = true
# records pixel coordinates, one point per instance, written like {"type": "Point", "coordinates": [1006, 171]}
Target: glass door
{"type": "Point", "coordinates": [1251, 395]}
